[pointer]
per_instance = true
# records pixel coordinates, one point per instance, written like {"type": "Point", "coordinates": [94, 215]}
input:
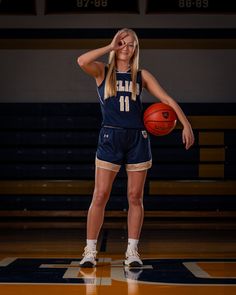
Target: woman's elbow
{"type": "Point", "coordinates": [80, 61]}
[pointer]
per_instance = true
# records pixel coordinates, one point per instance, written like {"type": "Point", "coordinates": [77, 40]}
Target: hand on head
{"type": "Point", "coordinates": [118, 41]}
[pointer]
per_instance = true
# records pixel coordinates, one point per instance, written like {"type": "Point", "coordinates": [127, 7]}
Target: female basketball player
{"type": "Point", "coordinates": [122, 139]}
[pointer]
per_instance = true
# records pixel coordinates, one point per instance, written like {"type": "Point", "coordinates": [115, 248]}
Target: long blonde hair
{"type": "Point", "coordinates": [110, 83]}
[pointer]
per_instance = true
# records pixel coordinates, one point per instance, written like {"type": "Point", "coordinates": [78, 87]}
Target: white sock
{"type": "Point", "coordinates": [92, 244]}
{"type": "Point", "coordinates": [132, 244]}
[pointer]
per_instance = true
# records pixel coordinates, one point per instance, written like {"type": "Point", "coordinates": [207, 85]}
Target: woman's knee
{"type": "Point", "coordinates": [100, 198]}
{"type": "Point", "coordinates": [135, 198]}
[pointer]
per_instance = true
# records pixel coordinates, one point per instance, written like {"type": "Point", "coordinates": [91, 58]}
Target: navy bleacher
{"type": "Point", "coordinates": [47, 153]}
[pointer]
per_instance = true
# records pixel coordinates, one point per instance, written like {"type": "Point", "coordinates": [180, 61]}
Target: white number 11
{"type": "Point", "coordinates": [124, 104]}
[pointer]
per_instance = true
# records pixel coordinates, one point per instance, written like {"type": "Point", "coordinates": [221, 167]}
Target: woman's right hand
{"type": "Point", "coordinates": [118, 41]}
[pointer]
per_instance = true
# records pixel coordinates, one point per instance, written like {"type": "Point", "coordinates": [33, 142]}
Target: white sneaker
{"type": "Point", "coordinates": [89, 258]}
{"type": "Point", "coordinates": [132, 258]}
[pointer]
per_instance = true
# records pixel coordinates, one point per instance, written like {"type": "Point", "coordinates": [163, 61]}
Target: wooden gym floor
{"type": "Point", "coordinates": [45, 261]}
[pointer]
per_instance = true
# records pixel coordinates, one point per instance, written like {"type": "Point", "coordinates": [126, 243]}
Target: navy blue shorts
{"type": "Point", "coordinates": [118, 146]}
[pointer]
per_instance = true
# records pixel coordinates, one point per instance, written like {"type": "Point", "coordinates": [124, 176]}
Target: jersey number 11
{"type": "Point", "coordinates": [124, 104]}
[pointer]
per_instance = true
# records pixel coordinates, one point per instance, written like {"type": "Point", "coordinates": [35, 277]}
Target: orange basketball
{"type": "Point", "coordinates": [159, 119]}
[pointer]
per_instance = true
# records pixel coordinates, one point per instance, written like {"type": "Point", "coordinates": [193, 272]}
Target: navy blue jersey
{"type": "Point", "coordinates": [121, 110]}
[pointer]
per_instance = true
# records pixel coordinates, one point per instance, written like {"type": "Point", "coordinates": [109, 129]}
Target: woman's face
{"type": "Point", "coordinates": [127, 51]}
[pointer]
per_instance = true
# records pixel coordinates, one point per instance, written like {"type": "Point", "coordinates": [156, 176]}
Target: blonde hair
{"type": "Point", "coordinates": [110, 83]}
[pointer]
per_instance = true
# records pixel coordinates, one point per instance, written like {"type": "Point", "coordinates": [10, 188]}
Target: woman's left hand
{"type": "Point", "coordinates": [188, 136]}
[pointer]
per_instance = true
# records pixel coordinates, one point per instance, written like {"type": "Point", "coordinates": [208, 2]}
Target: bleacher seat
{"type": "Point", "coordinates": [47, 153]}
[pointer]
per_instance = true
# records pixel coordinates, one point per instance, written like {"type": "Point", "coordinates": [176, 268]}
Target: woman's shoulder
{"type": "Point", "coordinates": [146, 74]}
{"type": "Point", "coordinates": [144, 71]}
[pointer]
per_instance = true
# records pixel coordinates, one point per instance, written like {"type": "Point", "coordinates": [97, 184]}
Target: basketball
{"type": "Point", "coordinates": [159, 119]}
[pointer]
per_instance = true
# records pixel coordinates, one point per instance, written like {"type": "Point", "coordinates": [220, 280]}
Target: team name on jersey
{"type": "Point", "coordinates": [126, 86]}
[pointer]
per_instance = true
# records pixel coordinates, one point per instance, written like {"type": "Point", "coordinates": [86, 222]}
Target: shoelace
{"type": "Point", "coordinates": [133, 252]}
{"type": "Point", "coordinates": [89, 252]}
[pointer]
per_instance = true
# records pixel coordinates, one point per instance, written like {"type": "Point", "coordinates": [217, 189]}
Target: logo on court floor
{"type": "Point", "coordinates": [153, 271]}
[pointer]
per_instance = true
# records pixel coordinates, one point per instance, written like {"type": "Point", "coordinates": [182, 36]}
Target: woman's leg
{"type": "Point", "coordinates": [136, 182]}
{"type": "Point", "coordinates": [103, 184]}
